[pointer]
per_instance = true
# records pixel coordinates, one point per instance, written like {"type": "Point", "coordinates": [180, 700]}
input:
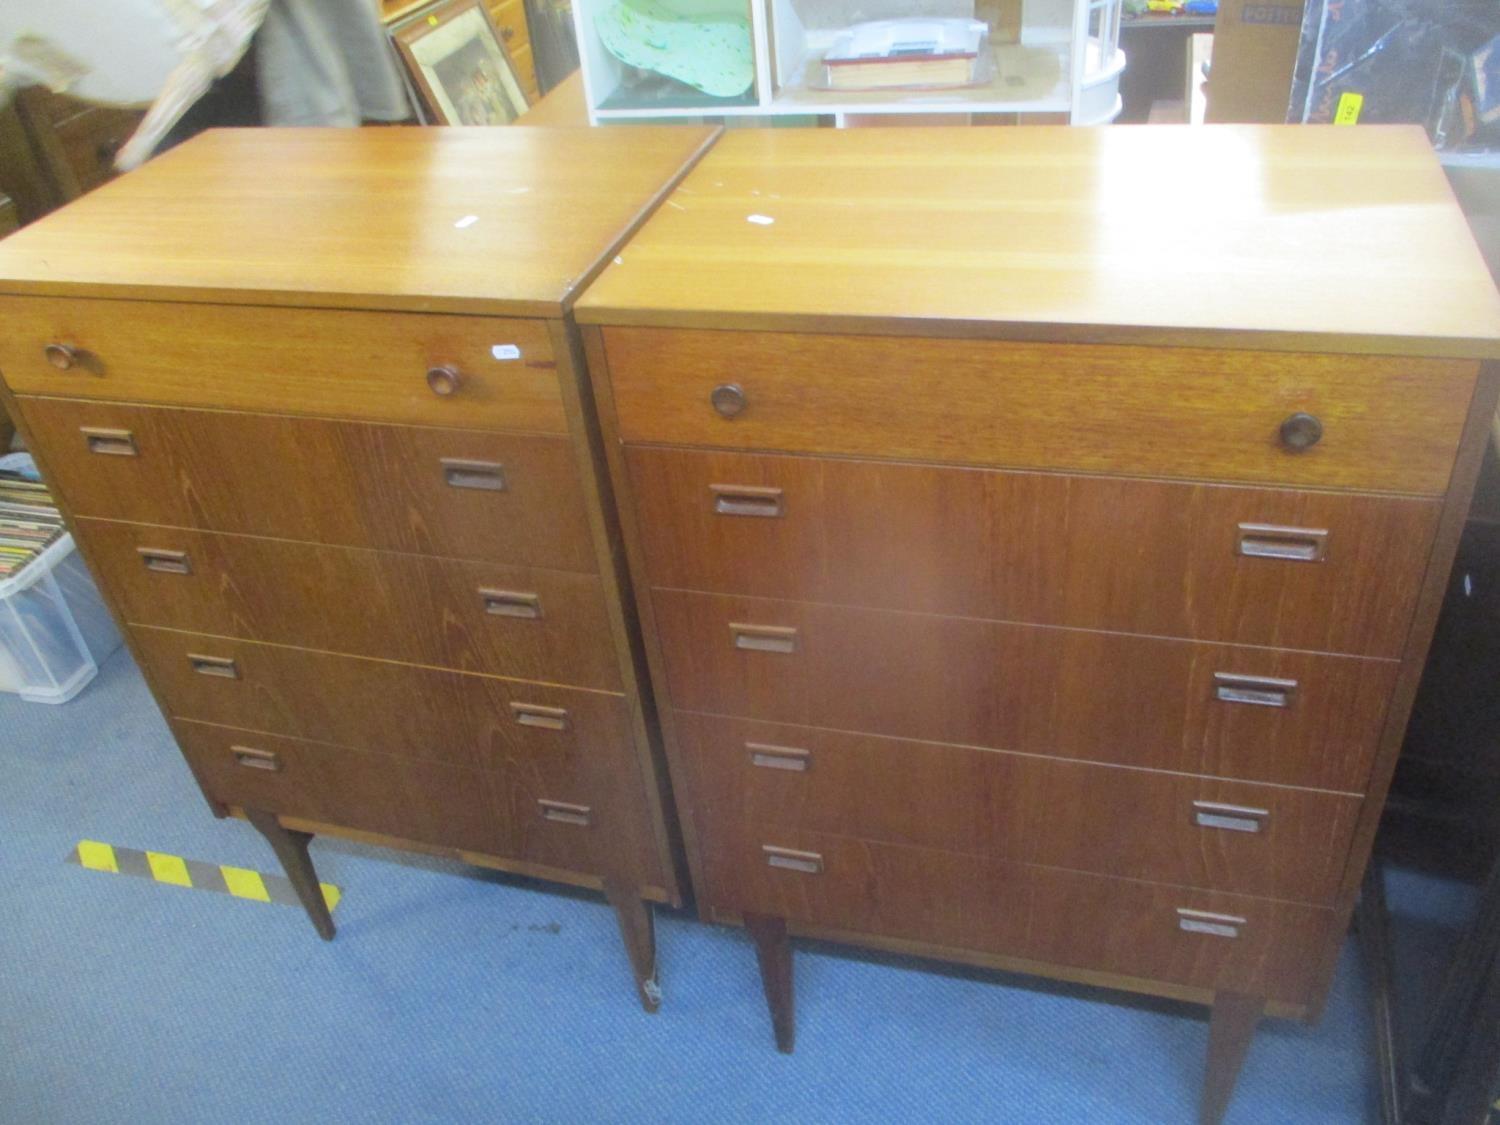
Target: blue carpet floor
{"type": "Point", "coordinates": [453, 994]}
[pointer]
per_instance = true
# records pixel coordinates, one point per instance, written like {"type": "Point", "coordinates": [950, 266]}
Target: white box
{"type": "Point", "coordinates": [54, 628]}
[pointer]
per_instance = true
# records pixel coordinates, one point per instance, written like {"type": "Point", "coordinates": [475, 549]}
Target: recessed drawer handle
{"type": "Point", "coordinates": [1234, 818]}
{"type": "Point", "coordinates": [253, 759]}
{"type": "Point", "coordinates": [165, 562]}
{"type": "Point", "coordinates": [1202, 922]}
{"type": "Point", "coordinates": [511, 603]}
{"type": "Point", "coordinates": [221, 666]}
{"type": "Point", "coordinates": [809, 863]}
{"type": "Point", "coordinates": [1262, 691]}
{"type": "Point", "coordinates": [564, 813]}
{"type": "Point", "coordinates": [746, 500]}
{"type": "Point", "coordinates": [779, 757]}
{"type": "Point", "coordinates": [535, 715]}
{"type": "Point", "coordinates": [488, 476]}
{"type": "Point", "coordinates": [115, 443]}
{"type": "Point", "coordinates": [763, 638]}
{"type": "Point", "coordinates": [1298, 544]}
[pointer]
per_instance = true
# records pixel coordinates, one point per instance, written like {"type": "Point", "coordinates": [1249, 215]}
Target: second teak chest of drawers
{"type": "Point", "coordinates": [1033, 576]}
{"type": "Point", "coordinates": [314, 404]}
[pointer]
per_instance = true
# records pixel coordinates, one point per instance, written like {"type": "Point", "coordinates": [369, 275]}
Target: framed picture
{"type": "Point", "coordinates": [459, 65]}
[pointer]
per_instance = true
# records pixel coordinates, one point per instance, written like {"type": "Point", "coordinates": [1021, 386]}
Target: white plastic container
{"type": "Point", "coordinates": [54, 629]}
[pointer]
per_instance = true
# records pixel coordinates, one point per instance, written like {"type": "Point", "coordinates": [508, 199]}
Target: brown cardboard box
{"type": "Point", "coordinates": [1255, 49]}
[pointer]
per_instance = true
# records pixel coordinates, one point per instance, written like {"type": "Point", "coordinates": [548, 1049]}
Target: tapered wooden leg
{"type": "Point", "coordinates": [774, 952]}
{"type": "Point", "coordinates": [638, 929]}
{"type": "Point", "coordinates": [1230, 1029]}
{"type": "Point", "coordinates": [291, 849]}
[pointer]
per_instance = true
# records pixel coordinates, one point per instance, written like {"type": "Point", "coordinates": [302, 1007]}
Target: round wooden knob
{"type": "Point", "coordinates": [1301, 431]}
{"type": "Point", "coordinates": [444, 380]}
{"type": "Point", "coordinates": [728, 399]}
{"type": "Point", "coordinates": [61, 356]}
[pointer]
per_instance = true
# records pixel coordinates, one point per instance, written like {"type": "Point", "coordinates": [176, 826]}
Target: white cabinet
{"type": "Point", "coordinates": [1059, 57]}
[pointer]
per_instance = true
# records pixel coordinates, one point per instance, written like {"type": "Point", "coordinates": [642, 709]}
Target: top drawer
{"type": "Point", "coordinates": [286, 360]}
{"type": "Point", "coordinates": [1388, 424]}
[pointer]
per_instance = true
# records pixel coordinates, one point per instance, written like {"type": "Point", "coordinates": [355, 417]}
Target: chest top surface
{"type": "Point", "coordinates": [1290, 236]}
{"type": "Point", "coordinates": [470, 220]}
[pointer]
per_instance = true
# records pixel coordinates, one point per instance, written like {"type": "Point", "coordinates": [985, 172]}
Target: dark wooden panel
{"type": "Point", "coordinates": [505, 726]}
{"type": "Point", "coordinates": [1111, 821]}
{"type": "Point", "coordinates": [428, 802]}
{"type": "Point", "coordinates": [364, 603]}
{"type": "Point", "coordinates": [1104, 697]}
{"type": "Point", "coordinates": [990, 906]}
{"type": "Point", "coordinates": [326, 362]}
{"type": "Point", "coordinates": [349, 483]}
{"type": "Point", "coordinates": [1389, 423]}
{"type": "Point", "coordinates": [1093, 552]}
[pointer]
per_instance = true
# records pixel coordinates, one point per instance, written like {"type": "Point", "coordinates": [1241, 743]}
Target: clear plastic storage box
{"type": "Point", "coordinates": [54, 629]}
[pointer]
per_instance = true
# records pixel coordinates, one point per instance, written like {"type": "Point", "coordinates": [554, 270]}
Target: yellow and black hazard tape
{"type": "Point", "coordinates": [240, 882]}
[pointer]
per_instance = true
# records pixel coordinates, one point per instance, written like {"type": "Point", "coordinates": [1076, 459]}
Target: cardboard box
{"type": "Point", "coordinates": [1255, 51]}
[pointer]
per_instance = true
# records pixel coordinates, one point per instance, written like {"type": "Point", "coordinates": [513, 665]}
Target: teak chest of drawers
{"type": "Point", "coordinates": [314, 403]}
{"type": "Point", "coordinates": [1033, 576]}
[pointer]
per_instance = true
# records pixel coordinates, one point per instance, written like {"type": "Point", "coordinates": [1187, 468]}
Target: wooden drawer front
{"type": "Point", "coordinates": [564, 744]}
{"type": "Point", "coordinates": [1389, 423]}
{"type": "Point", "coordinates": [464, 493]}
{"type": "Point", "coordinates": [303, 361]}
{"type": "Point", "coordinates": [1168, 828]}
{"type": "Point", "coordinates": [1103, 697]}
{"type": "Point", "coordinates": [427, 802]}
{"type": "Point", "coordinates": [1042, 914]}
{"type": "Point", "coordinates": [364, 603]}
{"type": "Point", "coordinates": [1091, 552]}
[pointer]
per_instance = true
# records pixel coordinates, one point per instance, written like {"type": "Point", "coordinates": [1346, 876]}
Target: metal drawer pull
{"type": "Point", "coordinates": [115, 443]}
{"type": "Point", "coordinates": [488, 476]}
{"type": "Point", "coordinates": [747, 500]}
{"type": "Point", "coordinates": [445, 380]}
{"type": "Point", "coordinates": [253, 759]}
{"type": "Point", "coordinates": [1235, 818]}
{"type": "Point", "coordinates": [511, 603]}
{"type": "Point", "coordinates": [728, 399]}
{"type": "Point", "coordinates": [221, 666]}
{"type": "Point", "coordinates": [64, 357]}
{"type": "Point", "coordinates": [535, 715]}
{"type": "Point", "coordinates": [764, 638]}
{"type": "Point", "coordinates": [1263, 691]}
{"type": "Point", "coordinates": [779, 757]}
{"type": "Point", "coordinates": [1202, 922]}
{"type": "Point", "coordinates": [1267, 541]}
{"type": "Point", "coordinates": [564, 813]}
{"type": "Point", "coordinates": [165, 562]}
{"type": "Point", "coordinates": [809, 863]}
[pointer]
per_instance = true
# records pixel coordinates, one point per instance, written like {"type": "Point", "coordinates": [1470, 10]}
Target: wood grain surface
{"type": "Point", "coordinates": [1388, 423]}
{"type": "Point", "coordinates": [1088, 552]}
{"type": "Point", "coordinates": [1110, 821]}
{"type": "Point", "coordinates": [1066, 693]}
{"type": "Point", "coordinates": [353, 484]}
{"type": "Point", "coordinates": [1316, 237]}
{"type": "Point", "coordinates": [381, 604]}
{"type": "Point", "coordinates": [417, 219]}
{"type": "Point", "coordinates": [564, 743]}
{"type": "Point", "coordinates": [427, 801]}
{"type": "Point", "coordinates": [1042, 913]}
{"type": "Point", "coordinates": [298, 361]}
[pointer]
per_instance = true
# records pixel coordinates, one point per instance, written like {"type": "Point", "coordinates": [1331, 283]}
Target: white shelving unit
{"type": "Point", "coordinates": [1065, 60]}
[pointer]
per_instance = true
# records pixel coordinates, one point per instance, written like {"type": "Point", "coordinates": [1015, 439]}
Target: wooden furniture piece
{"type": "Point", "coordinates": [1031, 576]}
{"type": "Point", "coordinates": [563, 105]}
{"type": "Point", "coordinates": [323, 441]}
